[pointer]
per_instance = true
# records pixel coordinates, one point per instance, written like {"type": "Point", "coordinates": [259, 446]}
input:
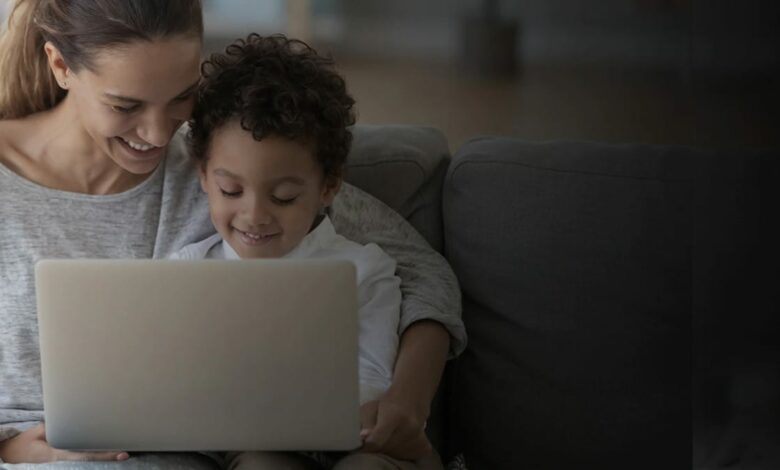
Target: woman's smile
{"type": "Point", "coordinates": [142, 152]}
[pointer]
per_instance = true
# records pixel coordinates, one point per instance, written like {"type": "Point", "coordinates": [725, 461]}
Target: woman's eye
{"type": "Point", "coordinates": [230, 193]}
{"type": "Point", "coordinates": [283, 201]}
{"type": "Point", "coordinates": [123, 110]}
{"type": "Point", "coordinates": [183, 97]}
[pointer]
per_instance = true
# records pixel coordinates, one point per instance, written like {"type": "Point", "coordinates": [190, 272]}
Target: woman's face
{"type": "Point", "coordinates": [136, 98]}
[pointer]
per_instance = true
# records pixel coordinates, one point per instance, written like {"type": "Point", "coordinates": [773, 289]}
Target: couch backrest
{"type": "Point", "coordinates": [598, 280]}
{"type": "Point", "coordinates": [574, 265]}
{"type": "Point", "coordinates": [604, 285]}
{"type": "Point", "coordinates": [404, 167]}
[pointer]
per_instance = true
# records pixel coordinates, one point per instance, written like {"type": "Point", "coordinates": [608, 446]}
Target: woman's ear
{"type": "Point", "coordinates": [330, 189]}
{"type": "Point", "coordinates": [57, 64]}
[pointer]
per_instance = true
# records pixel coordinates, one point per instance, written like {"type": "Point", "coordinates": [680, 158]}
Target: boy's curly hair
{"type": "Point", "coordinates": [275, 86]}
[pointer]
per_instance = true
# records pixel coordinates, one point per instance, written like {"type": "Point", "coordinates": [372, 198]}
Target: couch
{"type": "Point", "coordinates": [616, 297]}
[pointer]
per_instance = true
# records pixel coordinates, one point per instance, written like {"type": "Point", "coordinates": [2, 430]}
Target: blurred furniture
{"type": "Point", "coordinates": [489, 42]}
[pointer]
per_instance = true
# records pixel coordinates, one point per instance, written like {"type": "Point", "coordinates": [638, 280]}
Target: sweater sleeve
{"type": "Point", "coordinates": [429, 287]}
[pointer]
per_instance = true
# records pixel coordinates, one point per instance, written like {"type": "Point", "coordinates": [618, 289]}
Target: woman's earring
{"type": "Point", "coordinates": [64, 85]}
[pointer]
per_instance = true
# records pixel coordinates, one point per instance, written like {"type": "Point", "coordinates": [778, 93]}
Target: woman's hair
{"type": "Point", "coordinates": [79, 29]}
{"type": "Point", "coordinates": [274, 86]}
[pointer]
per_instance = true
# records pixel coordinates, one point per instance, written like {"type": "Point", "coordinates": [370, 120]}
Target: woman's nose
{"type": "Point", "coordinates": [157, 128]}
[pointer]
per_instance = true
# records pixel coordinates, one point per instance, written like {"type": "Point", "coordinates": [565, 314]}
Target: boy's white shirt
{"type": "Point", "coordinates": [379, 296]}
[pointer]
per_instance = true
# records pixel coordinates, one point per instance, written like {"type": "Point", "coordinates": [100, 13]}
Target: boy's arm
{"type": "Point", "coordinates": [430, 326]}
{"type": "Point", "coordinates": [429, 287]}
{"type": "Point", "coordinates": [398, 426]}
{"type": "Point", "coordinates": [379, 300]}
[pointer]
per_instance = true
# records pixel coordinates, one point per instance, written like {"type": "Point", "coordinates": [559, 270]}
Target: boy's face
{"type": "Point", "coordinates": [263, 196]}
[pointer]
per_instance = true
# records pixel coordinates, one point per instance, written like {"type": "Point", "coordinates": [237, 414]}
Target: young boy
{"type": "Point", "coordinates": [271, 132]}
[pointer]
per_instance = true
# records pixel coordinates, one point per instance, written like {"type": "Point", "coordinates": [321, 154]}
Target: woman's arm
{"type": "Point", "coordinates": [414, 381]}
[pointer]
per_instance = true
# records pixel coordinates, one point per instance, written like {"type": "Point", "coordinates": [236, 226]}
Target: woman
{"type": "Point", "coordinates": [92, 94]}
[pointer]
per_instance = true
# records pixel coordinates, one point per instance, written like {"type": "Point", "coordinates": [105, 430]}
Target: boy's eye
{"type": "Point", "coordinates": [124, 110]}
{"type": "Point", "coordinates": [283, 201]}
{"type": "Point", "coordinates": [230, 193]}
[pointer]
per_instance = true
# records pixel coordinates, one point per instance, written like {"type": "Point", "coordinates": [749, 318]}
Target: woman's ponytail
{"type": "Point", "coordinates": [27, 84]}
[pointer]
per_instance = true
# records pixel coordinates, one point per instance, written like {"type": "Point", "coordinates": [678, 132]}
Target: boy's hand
{"type": "Point", "coordinates": [393, 429]}
{"type": "Point", "coordinates": [31, 447]}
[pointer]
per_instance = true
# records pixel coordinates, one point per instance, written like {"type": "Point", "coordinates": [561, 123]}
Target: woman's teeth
{"type": "Point", "coordinates": [139, 147]}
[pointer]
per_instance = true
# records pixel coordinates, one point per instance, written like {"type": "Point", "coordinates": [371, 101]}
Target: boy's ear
{"type": "Point", "coordinates": [57, 64]}
{"type": "Point", "coordinates": [330, 189]}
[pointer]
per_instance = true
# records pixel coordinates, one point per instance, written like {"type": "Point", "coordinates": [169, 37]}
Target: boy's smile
{"type": "Point", "coordinates": [264, 196]}
{"type": "Point", "coordinates": [253, 239]}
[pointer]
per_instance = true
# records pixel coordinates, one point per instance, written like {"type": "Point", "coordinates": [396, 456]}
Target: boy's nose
{"type": "Point", "coordinates": [258, 215]}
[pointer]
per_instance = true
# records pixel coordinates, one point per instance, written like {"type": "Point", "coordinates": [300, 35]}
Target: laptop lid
{"type": "Point", "coordinates": [199, 355]}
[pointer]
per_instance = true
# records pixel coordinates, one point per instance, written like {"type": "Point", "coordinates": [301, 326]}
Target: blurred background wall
{"type": "Point", "coordinates": [692, 72]}
{"type": "Point", "coordinates": [657, 33]}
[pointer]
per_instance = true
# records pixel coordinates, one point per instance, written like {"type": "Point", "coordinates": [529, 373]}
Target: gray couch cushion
{"type": "Point", "coordinates": [736, 355]}
{"type": "Point", "coordinates": [404, 167]}
{"type": "Point", "coordinates": [574, 263]}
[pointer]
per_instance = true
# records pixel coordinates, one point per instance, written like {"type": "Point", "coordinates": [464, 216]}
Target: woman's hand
{"type": "Point", "coordinates": [394, 429]}
{"type": "Point", "coordinates": [31, 447]}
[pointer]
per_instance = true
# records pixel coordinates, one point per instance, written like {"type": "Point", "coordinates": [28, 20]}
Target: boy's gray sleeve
{"type": "Point", "coordinates": [430, 288]}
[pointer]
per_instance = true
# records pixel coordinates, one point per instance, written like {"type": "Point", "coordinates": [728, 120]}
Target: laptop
{"type": "Point", "coordinates": [151, 355]}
